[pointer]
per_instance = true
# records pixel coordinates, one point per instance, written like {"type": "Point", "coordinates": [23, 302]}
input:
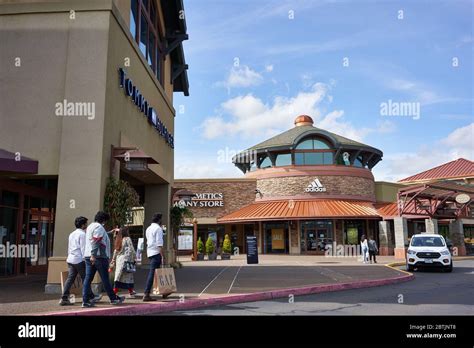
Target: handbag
{"type": "Point", "coordinates": [129, 267]}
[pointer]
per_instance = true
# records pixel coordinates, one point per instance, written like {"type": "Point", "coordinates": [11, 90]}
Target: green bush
{"type": "Point", "coordinates": [227, 246]}
{"type": "Point", "coordinates": [200, 246]}
{"type": "Point", "coordinates": [209, 246]}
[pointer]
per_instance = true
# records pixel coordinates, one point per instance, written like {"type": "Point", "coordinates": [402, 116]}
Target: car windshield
{"type": "Point", "coordinates": [427, 242]}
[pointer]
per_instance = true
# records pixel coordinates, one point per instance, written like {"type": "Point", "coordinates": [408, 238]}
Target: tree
{"type": "Point", "coordinates": [209, 246]}
{"type": "Point", "coordinates": [200, 246]}
{"type": "Point", "coordinates": [227, 246]}
{"type": "Point", "coordinates": [119, 199]}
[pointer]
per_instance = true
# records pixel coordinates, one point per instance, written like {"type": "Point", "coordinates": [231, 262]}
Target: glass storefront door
{"type": "Point", "coordinates": [38, 233]}
{"type": "Point", "coordinates": [315, 235]}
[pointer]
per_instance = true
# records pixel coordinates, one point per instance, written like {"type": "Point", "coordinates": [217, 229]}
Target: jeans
{"type": "Point", "coordinates": [100, 265]}
{"type": "Point", "coordinates": [372, 254]}
{"type": "Point", "coordinates": [73, 271]}
{"type": "Point", "coordinates": [155, 262]}
{"type": "Point", "coordinates": [365, 254]}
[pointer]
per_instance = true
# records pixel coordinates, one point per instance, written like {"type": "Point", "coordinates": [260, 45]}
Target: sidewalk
{"type": "Point", "coordinates": [205, 282]}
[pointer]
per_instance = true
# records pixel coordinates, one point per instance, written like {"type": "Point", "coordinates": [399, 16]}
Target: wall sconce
{"type": "Point", "coordinates": [257, 191]}
{"type": "Point", "coordinates": [133, 158]}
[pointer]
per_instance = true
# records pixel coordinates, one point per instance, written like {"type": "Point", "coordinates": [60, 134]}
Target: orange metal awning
{"type": "Point", "coordinates": [293, 210]}
{"type": "Point", "coordinates": [387, 210]}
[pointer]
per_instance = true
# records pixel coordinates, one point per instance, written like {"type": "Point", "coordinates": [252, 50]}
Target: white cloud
{"type": "Point", "coordinates": [197, 167]}
{"type": "Point", "coordinates": [242, 76]}
{"type": "Point", "coordinates": [396, 166]}
{"type": "Point", "coordinates": [269, 68]}
{"type": "Point", "coordinates": [249, 116]}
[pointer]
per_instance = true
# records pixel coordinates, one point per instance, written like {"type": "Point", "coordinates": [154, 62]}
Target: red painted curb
{"type": "Point", "coordinates": [163, 307]}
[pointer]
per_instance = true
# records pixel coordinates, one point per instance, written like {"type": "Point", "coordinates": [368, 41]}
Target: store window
{"type": "Point", "coordinates": [313, 151]}
{"type": "Point", "coordinates": [145, 28]}
{"type": "Point", "coordinates": [276, 238]}
{"type": "Point", "coordinates": [283, 159]}
{"type": "Point", "coordinates": [266, 163]}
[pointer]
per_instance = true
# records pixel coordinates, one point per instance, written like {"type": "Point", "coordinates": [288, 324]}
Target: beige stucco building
{"type": "Point", "coordinates": [68, 112]}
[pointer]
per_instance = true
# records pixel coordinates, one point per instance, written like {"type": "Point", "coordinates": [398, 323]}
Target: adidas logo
{"type": "Point", "coordinates": [315, 186]}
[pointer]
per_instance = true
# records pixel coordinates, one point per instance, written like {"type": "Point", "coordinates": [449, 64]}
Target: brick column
{"type": "Point", "coordinates": [456, 232]}
{"type": "Point", "coordinates": [431, 226]}
{"type": "Point", "coordinates": [385, 239]}
{"type": "Point", "coordinates": [401, 236]}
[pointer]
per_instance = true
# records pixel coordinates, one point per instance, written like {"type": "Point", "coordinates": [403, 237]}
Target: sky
{"type": "Point", "coordinates": [255, 65]}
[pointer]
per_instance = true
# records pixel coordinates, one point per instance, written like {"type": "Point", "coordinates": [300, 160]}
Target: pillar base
{"type": "Point", "coordinates": [400, 253]}
{"type": "Point", "coordinates": [56, 289]}
{"type": "Point", "coordinates": [385, 251]}
{"type": "Point", "coordinates": [461, 250]}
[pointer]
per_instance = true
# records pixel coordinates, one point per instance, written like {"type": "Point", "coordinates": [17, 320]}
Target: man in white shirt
{"type": "Point", "coordinates": [75, 260]}
{"type": "Point", "coordinates": [154, 240]}
{"type": "Point", "coordinates": [97, 255]}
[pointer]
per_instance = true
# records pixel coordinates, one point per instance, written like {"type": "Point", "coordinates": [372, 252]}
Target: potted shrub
{"type": "Point", "coordinates": [226, 248]}
{"type": "Point", "coordinates": [200, 250]}
{"type": "Point", "coordinates": [211, 255]}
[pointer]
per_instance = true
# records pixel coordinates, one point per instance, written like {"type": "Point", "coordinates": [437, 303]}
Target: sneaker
{"type": "Point", "coordinates": [88, 304]}
{"type": "Point", "coordinates": [132, 294]}
{"type": "Point", "coordinates": [118, 300]}
{"type": "Point", "coordinates": [65, 302]}
{"type": "Point", "coordinates": [96, 298]}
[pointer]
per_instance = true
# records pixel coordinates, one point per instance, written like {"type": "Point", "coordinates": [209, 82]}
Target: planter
{"type": "Point", "coordinates": [212, 256]}
{"type": "Point", "coordinates": [200, 257]}
{"type": "Point", "coordinates": [225, 256]}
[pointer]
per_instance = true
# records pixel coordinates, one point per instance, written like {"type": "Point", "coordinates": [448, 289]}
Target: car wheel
{"type": "Point", "coordinates": [450, 268]}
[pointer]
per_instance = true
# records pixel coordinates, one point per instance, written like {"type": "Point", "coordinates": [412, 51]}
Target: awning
{"type": "Point", "coordinates": [301, 209]}
{"type": "Point", "coordinates": [436, 200]}
{"type": "Point", "coordinates": [387, 209]}
{"type": "Point", "coordinates": [16, 163]}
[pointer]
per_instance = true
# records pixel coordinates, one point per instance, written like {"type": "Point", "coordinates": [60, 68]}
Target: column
{"type": "Point", "coordinates": [431, 226]}
{"type": "Point", "coordinates": [401, 236]}
{"type": "Point", "coordinates": [456, 232]}
{"type": "Point", "coordinates": [384, 231]}
{"type": "Point", "coordinates": [157, 200]}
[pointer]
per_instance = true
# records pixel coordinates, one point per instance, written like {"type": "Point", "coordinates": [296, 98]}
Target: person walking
{"type": "Point", "coordinates": [124, 262]}
{"type": "Point", "coordinates": [97, 254]}
{"type": "Point", "coordinates": [364, 248]}
{"type": "Point", "coordinates": [154, 240]}
{"type": "Point", "coordinates": [75, 261]}
{"type": "Point", "coordinates": [373, 249]}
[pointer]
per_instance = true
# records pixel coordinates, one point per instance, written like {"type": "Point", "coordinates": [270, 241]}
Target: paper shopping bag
{"type": "Point", "coordinates": [76, 287]}
{"type": "Point", "coordinates": [164, 282]}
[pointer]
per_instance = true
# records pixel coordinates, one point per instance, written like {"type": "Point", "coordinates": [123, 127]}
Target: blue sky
{"type": "Point", "coordinates": [255, 65]}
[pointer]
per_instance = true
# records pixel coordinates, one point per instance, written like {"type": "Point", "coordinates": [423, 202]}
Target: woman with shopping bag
{"type": "Point", "coordinates": [124, 262]}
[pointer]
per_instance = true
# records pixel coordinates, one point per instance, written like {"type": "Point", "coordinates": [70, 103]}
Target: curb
{"type": "Point", "coordinates": [163, 307]}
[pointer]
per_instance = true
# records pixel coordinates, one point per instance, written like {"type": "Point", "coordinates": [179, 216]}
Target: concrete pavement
{"type": "Point", "coordinates": [207, 282]}
{"type": "Point", "coordinates": [430, 293]}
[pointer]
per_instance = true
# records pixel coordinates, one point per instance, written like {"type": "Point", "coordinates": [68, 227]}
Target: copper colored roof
{"type": "Point", "coordinates": [289, 209]}
{"type": "Point", "coordinates": [459, 168]}
{"type": "Point", "coordinates": [387, 209]}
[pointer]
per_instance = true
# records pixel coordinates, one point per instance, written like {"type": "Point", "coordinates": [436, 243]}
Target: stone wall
{"type": "Point", "coordinates": [236, 194]}
{"type": "Point", "coordinates": [335, 185]}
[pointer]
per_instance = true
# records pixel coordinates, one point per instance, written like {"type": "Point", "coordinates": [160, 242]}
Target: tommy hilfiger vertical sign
{"type": "Point", "coordinates": [145, 108]}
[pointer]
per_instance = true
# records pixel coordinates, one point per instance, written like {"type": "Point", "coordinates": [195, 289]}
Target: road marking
{"type": "Point", "coordinates": [212, 281]}
{"type": "Point", "coordinates": [232, 284]}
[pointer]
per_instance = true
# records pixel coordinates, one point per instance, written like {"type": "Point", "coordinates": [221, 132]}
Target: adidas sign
{"type": "Point", "coordinates": [315, 186]}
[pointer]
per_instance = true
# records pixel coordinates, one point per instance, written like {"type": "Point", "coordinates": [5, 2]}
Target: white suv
{"type": "Point", "coordinates": [429, 250]}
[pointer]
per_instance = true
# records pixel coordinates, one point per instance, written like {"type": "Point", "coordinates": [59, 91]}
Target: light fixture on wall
{"type": "Point", "coordinates": [257, 191]}
{"type": "Point", "coordinates": [133, 158]}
